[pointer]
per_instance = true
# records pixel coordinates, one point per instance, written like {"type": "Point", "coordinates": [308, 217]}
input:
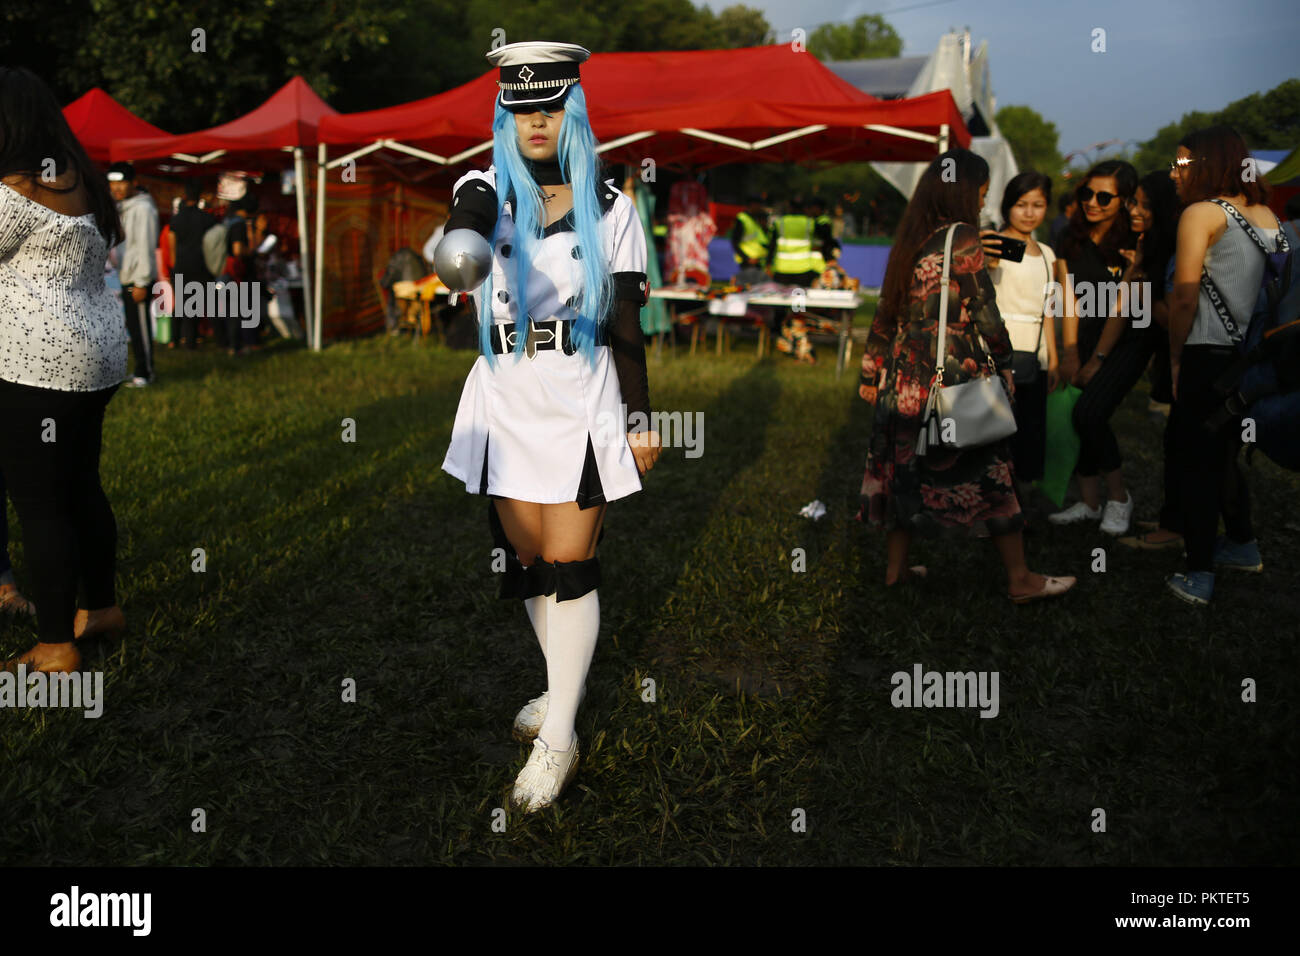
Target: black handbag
{"type": "Point", "coordinates": [1025, 369]}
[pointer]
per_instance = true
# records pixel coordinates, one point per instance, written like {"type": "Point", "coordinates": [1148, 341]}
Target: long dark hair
{"type": "Point", "coordinates": [33, 130]}
{"type": "Point", "coordinates": [1120, 234]}
{"type": "Point", "coordinates": [1219, 161]}
{"type": "Point", "coordinates": [948, 191]}
{"type": "Point", "coordinates": [1020, 184]}
{"type": "Point", "coordinates": [1159, 239]}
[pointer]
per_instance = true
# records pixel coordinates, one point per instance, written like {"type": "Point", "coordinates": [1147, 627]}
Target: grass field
{"type": "Point", "coordinates": [329, 560]}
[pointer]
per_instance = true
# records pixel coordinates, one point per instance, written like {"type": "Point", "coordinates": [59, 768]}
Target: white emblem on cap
{"type": "Point", "coordinates": [525, 74]}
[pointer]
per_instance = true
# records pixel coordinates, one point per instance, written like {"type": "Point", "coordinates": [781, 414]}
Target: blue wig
{"type": "Point", "coordinates": [579, 165]}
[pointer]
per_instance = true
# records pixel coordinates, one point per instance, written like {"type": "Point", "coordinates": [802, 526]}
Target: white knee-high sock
{"type": "Point", "coordinates": [536, 608]}
{"type": "Point", "coordinates": [571, 630]}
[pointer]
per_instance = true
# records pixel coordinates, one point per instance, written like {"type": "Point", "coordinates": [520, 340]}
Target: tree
{"type": "Point", "coordinates": [183, 65]}
{"type": "Point", "coordinates": [741, 26]}
{"type": "Point", "coordinates": [1265, 121]}
{"type": "Point", "coordinates": [1033, 140]}
{"type": "Point", "coordinates": [867, 37]}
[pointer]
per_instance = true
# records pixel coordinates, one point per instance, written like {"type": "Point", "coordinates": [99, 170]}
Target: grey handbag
{"type": "Point", "coordinates": [968, 415]}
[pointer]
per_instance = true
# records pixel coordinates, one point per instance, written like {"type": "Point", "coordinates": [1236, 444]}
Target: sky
{"type": "Point", "coordinates": [1163, 58]}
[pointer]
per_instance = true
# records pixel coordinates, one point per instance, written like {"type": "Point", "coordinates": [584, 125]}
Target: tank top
{"type": "Point", "coordinates": [1236, 265]}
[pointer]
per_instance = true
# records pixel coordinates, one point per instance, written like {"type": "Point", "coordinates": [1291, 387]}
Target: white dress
{"type": "Point", "coordinates": [1022, 290]}
{"type": "Point", "coordinates": [524, 428]}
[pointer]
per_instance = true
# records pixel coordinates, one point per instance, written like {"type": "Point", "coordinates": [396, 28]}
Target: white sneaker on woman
{"type": "Point", "coordinates": [530, 718]}
{"type": "Point", "coordinates": [1074, 514]}
{"type": "Point", "coordinates": [544, 776]}
{"type": "Point", "coordinates": [1116, 515]}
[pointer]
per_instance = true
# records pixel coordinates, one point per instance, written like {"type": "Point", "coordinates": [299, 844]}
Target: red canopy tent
{"type": "Point", "coordinates": [704, 108]}
{"type": "Point", "coordinates": [97, 119]}
{"type": "Point", "coordinates": [694, 108]}
{"type": "Point", "coordinates": [287, 121]}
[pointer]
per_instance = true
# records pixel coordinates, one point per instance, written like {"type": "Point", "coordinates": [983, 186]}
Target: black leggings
{"type": "Point", "coordinates": [1119, 372]}
{"type": "Point", "coordinates": [69, 532]}
{"type": "Point", "coordinates": [1208, 478]}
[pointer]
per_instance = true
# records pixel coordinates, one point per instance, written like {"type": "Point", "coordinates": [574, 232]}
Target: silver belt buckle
{"type": "Point", "coordinates": [537, 336]}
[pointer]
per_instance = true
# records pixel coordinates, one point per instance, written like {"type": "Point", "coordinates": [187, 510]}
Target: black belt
{"type": "Point", "coordinates": [542, 336]}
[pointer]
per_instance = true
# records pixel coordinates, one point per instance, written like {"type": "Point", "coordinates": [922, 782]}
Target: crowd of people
{"type": "Point", "coordinates": [1047, 314]}
{"type": "Point", "coordinates": [218, 246]}
{"type": "Point", "coordinates": [64, 337]}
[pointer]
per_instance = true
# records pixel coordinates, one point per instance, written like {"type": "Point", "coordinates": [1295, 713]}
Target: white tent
{"type": "Point", "coordinates": [951, 67]}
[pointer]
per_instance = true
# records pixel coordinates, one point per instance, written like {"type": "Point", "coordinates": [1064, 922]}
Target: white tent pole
{"type": "Point", "coordinates": [412, 151]}
{"type": "Point", "coordinates": [320, 242]}
{"type": "Point", "coordinates": [943, 137]}
{"type": "Point", "coordinates": [785, 137]}
{"type": "Point", "coordinates": [466, 154]}
{"type": "Point", "coordinates": [905, 133]}
{"type": "Point", "coordinates": [624, 140]}
{"type": "Point", "coordinates": [304, 240]}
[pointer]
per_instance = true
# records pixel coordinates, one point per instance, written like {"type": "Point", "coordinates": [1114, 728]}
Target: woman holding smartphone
{"type": "Point", "coordinates": [968, 488]}
{"type": "Point", "coordinates": [1024, 292]}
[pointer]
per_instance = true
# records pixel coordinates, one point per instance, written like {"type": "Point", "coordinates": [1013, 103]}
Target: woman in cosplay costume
{"type": "Point", "coordinates": [544, 423]}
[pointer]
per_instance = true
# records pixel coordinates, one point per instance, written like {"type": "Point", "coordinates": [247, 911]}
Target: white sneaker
{"type": "Point", "coordinates": [1074, 514]}
{"type": "Point", "coordinates": [1115, 519]}
{"type": "Point", "coordinates": [530, 718]}
{"type": "Point", "coordinates": [544, 776]}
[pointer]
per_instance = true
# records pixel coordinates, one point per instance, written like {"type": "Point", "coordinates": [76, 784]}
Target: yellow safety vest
{"type": "Point", "coordinates": [794, 247]}
{"type": "Point", "coordinates": [754, 242]}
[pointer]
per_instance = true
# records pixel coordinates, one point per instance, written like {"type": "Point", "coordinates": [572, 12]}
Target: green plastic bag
{"type": "Point", "coordinates": [1062, 444]}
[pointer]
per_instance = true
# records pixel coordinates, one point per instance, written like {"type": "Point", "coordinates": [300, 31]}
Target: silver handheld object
{"type": "Point", "coordinates": [462, 260]}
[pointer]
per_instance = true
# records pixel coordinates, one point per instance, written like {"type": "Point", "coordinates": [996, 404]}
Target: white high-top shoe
{"type": "Point", "coordinates": [530, 718]}
{"type": "Point", "coordinates": [544, 776]}
{"type": "Point", "coordinates": [532, 715]}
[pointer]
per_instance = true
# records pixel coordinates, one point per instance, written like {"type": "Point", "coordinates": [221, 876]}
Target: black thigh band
{"type": "Point", "coordinates": [565, 579]}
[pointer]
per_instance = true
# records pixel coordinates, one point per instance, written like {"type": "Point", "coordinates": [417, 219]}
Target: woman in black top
{"type": "Point", "coordinates": [1090, 268]}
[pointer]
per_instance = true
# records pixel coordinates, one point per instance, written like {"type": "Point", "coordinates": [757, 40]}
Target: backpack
{"type": "Point", "coordinates": [1263, 385]}
{"type": "Point", "coordinates": [214, 249]}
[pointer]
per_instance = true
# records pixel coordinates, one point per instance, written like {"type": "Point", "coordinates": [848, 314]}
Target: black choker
{"type": "Point", "coordinates": [545, 172]}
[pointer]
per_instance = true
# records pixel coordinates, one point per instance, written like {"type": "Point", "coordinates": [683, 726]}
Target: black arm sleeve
{"type": "Point", "coordinates": [474, 207]}
{"type": "Point", "coordinates": [628, 345]}
{"type": "Point", "coordinates": [737, 233]}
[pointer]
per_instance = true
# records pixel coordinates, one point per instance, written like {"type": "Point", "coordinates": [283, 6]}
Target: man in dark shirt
{"type": "Point", "coordinates": [188, 227]}
{"type": "Point", "coordinates": [239, 266]}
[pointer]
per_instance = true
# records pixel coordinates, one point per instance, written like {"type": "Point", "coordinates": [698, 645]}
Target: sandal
{"type": "Point", "coordinates": [1144, 542]}
{"type": "Point", "coordinates": [1052, 587]}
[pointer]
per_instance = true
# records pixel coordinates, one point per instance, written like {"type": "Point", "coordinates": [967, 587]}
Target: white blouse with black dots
{"type": "Point", "coordinates": [60, 326]}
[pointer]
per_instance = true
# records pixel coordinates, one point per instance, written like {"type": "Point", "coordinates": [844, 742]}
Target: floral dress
{"type": "Point", "coordinates": [946, 487]}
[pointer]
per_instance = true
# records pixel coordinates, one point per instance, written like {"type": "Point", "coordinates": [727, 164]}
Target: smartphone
{"type": "Point", "coordinates": [1013, 250]}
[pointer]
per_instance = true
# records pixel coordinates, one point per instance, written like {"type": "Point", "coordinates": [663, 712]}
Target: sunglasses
{"type": "Point", "coordinates": [1103, 199]}
{"type": "Point", "coordinates": [1181, 163]}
